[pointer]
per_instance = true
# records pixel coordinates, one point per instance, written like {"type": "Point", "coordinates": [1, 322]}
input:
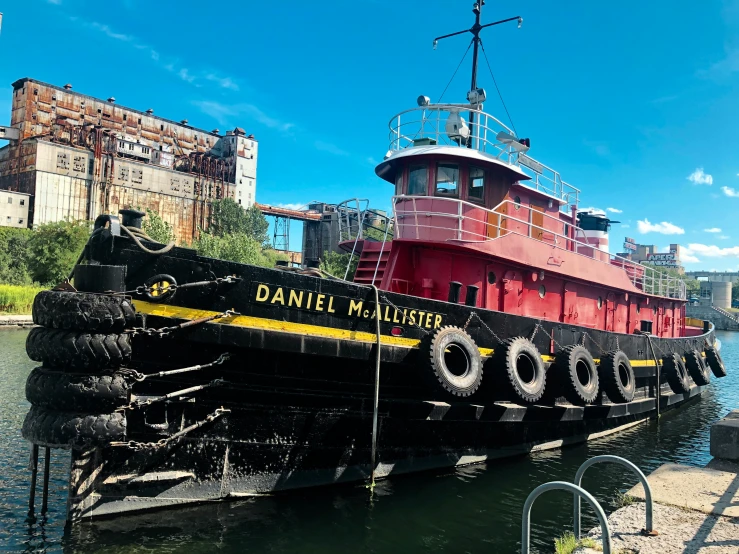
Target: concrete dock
{"type": "Point", "coordinates": [8, 320]}
{"type": "Point", "coordinates": [696, 510]}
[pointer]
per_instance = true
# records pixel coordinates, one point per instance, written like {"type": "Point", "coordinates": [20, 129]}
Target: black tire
{"type": "Point", "coordinates": [74, 392]}
{"type": "Point", "coordinates": [677, 375]}
{"type": "Point", "coordinates": [453, 363]}
{"type": "Point", "coordinates": [617, 377]}
{"type": "Point", "coordinates": [697, 367]}
{"type": "Point", "coordinates": [715, 362]}
{"type": "Point", "coordinates": [577, 375]}
{"type": "Point", "coordinates": [82, 311]}
{"type": "Point", "coordinates": [69, 430]}
{"type": "Point", "coordinates": [519, 370]}
{"type": "Point", "coordinates": [64, 349]}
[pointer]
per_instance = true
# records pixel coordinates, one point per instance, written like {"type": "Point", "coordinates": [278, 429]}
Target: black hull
{"type": "Point", "coordinates": [299, 386]}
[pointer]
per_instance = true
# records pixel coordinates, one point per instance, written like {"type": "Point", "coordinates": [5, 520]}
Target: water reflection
{"type": "Point", "coordinates": [472, 509]}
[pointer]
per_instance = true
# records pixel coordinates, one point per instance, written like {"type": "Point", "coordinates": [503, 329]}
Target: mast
{"type": "Point", "coordinates": [476, 41]}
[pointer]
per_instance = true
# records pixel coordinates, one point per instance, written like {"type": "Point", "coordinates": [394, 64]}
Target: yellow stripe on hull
{"type": "Point", "coordinates": [178, 312]}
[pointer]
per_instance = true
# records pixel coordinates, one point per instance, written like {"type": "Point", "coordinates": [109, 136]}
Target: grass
{"type": "Point", "coordinates": [622, 499]}
{"type": "Point", "coordinates": [17, 299]}
{"type": "Point", "coordinates": [567, 544]}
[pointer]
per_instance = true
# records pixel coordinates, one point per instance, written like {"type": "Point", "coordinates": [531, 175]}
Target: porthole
{"type": "Point", "coordinates": [542, 291]}
{"type": "Point", "coordinates": [600, 302]}
{"type": "Point", "coordinates": [491, 277]}
{"type": "Point", "coordinates": [517, 202]}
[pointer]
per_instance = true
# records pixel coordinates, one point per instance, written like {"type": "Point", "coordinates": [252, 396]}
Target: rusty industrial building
{"type": "Point", "coordinates": [78, 157]}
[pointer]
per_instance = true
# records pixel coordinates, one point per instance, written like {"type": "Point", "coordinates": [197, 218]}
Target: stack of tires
{"type": "Point", "coordinates": [77, 392]}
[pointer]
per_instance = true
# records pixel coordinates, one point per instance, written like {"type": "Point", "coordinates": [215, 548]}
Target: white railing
{"type": "Point", "coordinates": [427, 125]}
{"type": "Point", "coordinates": [464, 227]}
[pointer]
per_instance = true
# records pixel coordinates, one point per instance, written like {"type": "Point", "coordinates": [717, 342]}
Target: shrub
{"type": "Point", "coordinates": [17, 299]}
{"type": "Point", "coordinates": [14, 256]}
{"type": "Point", "coordinates": [53, 249]}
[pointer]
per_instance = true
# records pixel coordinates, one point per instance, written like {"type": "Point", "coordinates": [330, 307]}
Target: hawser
{"type": "Point", "coordinates": [485, 319]}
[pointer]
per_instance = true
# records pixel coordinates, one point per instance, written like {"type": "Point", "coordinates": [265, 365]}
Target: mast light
{"type": "Point", "coordinates": [423, 101]}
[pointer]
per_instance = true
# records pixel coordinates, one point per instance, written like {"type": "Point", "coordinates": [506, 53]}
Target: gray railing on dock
{"type": "Point", "coordinates": [615, 460]}
{"type": "Point", "coordinates": [579, 492]}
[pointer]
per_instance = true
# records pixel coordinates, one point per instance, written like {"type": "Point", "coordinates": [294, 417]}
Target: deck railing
{"type": "Point", "coordinates": [427, 126]}
{"type": "Point", "coordinates": [445, 219]}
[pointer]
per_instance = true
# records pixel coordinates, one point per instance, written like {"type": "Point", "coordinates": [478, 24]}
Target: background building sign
{"type": "Point", "coordinates": [630, 244]}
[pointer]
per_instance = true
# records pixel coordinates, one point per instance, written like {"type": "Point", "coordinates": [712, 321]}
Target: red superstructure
{"type": "Point", "coordinates": [470, 207]}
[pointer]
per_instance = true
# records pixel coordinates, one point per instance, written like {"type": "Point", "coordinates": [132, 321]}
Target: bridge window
{"type": "Point", "coordinates": [476, 189]}
{"type": "Point", "coordinates": [399, 182]}
{"type": "Point", "coordinates": [418, 180]}
{"type": "Point", "coordinates": [447, 180]}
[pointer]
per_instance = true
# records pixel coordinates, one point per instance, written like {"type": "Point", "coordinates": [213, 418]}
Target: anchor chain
{"type": "Point", "coordinates": [485, 325]}
{"type": "Point", "coordinates": [387, 300]}
{"type": "Point", "coordinates": [164, 331]}
{"type": "Point", "coordinates": [138, 446]}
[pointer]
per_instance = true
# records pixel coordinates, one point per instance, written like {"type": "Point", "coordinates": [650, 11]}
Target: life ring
{"type": "Point", "coordinates": [617, 377]}
{"type": "Point", "coordinates": [453, 362]}
{"type": "Point", "coordinates": [520, 370]}
{"type": "Point", "coordinates": [715, 362]}
{"type": "Point", "coordinates": [577, 375]}
{"type": "Point", "coordinates": [697, 367]}
{"type": "Point", "coordinates": [677, 375]}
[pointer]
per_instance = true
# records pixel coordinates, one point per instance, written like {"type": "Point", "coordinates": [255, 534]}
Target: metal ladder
{"type": "Point", "coordinates": [579, 493]}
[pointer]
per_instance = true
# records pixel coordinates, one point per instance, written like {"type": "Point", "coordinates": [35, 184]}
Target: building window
{"type": "Point", "coordinates": [476, 189]}
{"type": "Point", "coordinates": [10, 200]}
{"type": "Point", "coordinates": [447, 179]}
{"type": "Point", "coordinates": [20, 221]}
{"type": "Point", "coordinates": [23, 201]}
{"type": "Point", "coordinates": [239, 200]}
{"type": "Point", "coordinates": [125, 117]}
{"type": "Point", "coordinates": [9, 220]}
{"type": "Point", "coordinates": [418, 180]}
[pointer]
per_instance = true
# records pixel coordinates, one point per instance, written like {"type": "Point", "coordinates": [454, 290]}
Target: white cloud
{"type": "Point", "coordinates": [724, 237]}
{"type": "Point", "coordinates": [712, 230]}
{"type": "Point", "coordinates": [592, 209]}
{"type": "Point", "coordinates": [730, 192]}
{"type": "Point", "coordinates": [625, 226]}
{"type": "Point", "coordinates": [292, 206]}
{"type": "Point", "coordinates": [663, 228]}
{"type": "Point", "coordinates": [698, 177]}
{"type": "Point", "coordinates": [330, 148]}
{"type": "Point", "coordinates": [712, 251]}
{"type": "Point", "coordinates": [226, 114]}
{"type": "Point", "coordinates": [112, 34]}
{"type": "Point", "coordinates": [223, 82]}
{"type": "Point", "coordinates": [614, 210]}
{"type": "Point", "coordinates": [184, 74]}
{"type": "Point", "coordinates": [688, 258]}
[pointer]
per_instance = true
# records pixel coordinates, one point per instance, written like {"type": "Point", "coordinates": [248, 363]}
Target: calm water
{"type": "Point", "coordinates": [469, 510]}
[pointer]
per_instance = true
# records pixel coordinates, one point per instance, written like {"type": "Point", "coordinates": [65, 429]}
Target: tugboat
{"type": "Point", "coordinates": [494, 323]}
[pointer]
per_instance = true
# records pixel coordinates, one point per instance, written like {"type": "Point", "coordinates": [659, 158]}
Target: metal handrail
{"type": "Point", "coordinates": [624, 462]}
{"type": "Point", "coordinates": [578, 492]}
{"type": "Point", "coordinates": [430, 123]}
{"type": "Point", "coordinates": [651, 281]}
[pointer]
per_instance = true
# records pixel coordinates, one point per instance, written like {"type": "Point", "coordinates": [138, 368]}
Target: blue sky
{"type": "Point", "coordinates": [633, 102]}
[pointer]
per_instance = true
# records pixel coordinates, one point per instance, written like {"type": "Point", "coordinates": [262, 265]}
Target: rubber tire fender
{"type": "Point", "coordinates": [715, 362]}
{"type": "Point", "coordinates": [72, 430]}
{"type": "Point", "coordinates": [506, 362]}
{"type": "Point", "coordinates": [437, 372]}
{"type": "Point", "coordinates": [612, 364]}
{"type": "Point", "coordinates": [697, 367]}
{"type": "Point", "coordinates": [566, 365]}
{"type": "Point", "coordinates": [76, 392]}
{"type": "Point", "coordinates": [63, 349]}
{"type": "Point", "coordinates": [83, 311]}
{"type": "Point", "coordinates": [677, 374]}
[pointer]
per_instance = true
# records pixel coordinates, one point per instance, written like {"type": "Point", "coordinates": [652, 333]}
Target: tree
{"type": "Point", "coordinates": [14, 256]}
{"type": "Point", "coordinates": [335, 264]}
{"type": "Point", "coordinates": [228, 218]}
{"type": "Point", "coordinates": [234, 247]}
{"type": "Point", "coordinates": [54, 248]}
{"type": "Point", "coordinates": [157, 228]}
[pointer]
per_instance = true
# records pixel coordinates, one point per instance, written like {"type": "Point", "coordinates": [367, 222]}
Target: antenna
{"type": "Point", "coordinates": [475, 30]}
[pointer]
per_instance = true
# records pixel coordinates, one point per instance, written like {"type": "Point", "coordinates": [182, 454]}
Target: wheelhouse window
{"type": "Point", "coordinates": [476, 188]}
{"type": "Point", "coordinates": [447, 180]}
{"type": "Point", "coordinates": [418, 180]}
{"type": "Point", "coordinates": [399, 182]}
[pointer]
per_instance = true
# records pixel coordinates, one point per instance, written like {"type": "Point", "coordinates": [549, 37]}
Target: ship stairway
{"type": "Point", "coordinates": [372, 263]}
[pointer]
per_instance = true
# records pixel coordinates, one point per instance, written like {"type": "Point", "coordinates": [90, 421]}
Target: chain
{"type": "Point", "coordinates": [143, 289]}
{"type": "Point", "coordinates": [138, 377]}
{"type": "Point", "coordinates": [551, 337]}
{"type": "Point", "coordinates": [485, 325]}
{"type": "Point", "coordinates": [386, 299]}
{"type": "Point", "coordinates": [164, 331]}
{"type": "Point", "coordinates": [138, 446]}
{"type": "Point", "coordinates": [536, 330]}
{"type": "Point", "coordinates": [595, 342]}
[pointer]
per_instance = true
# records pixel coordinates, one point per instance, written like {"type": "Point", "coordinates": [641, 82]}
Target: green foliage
{"type": "Point", "coordinates": [567, 543]}
{"type": "Point", "coordinates": [229, 218]}
{"type": "Point", "coordinates": [157, 228]}
{"type": "Point", "coordinates": [17, 299]}
{"type": "Point", "coordinates": [14, 256]}
{"type": "Point", "coordinates": [621, 499]}
{"type": "Point", "coordinates": [335, 264]}
{"type": "Point", "coordinates": [237, 248]}
{"type": "Point", "coordinates": [272, 256]}
{"type": "Point", "coordinates": [53, 249]}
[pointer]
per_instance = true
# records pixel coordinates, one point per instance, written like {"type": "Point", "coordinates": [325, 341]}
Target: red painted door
{"type": "Point", "coordinates": [610, 311]}
{"type": "Point", "coordinates": [569, 311]}
{"type": "Point", "coordinates": [512, 292]}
